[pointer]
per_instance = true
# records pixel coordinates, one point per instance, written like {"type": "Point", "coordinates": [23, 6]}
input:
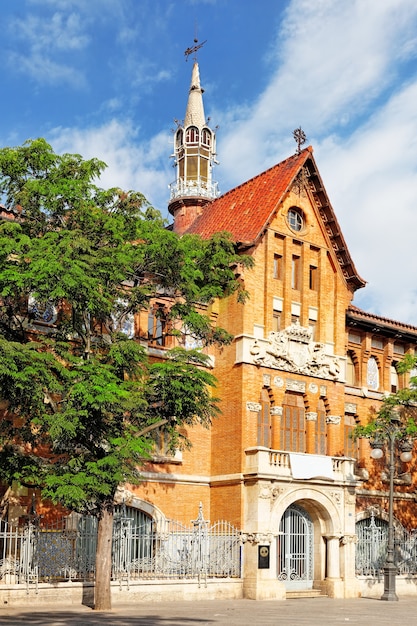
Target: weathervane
{"type": "Point", "coordinates": [193, 49]}
{"type": "Point", "coordinates": [300, 138]}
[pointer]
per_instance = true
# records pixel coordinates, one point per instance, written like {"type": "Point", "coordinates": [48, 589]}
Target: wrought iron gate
{"type": "Point", "coordinates": [142, 549]}
{"type": "Point", "coordinates": [295, 549]}
{"type": "Point", "coordinates": [371, 548]}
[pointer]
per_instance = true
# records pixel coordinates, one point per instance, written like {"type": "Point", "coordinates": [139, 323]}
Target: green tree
{"type": "Point", "coordinates": [81, 397]}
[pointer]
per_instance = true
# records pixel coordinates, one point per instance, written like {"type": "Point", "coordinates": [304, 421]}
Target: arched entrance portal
{"type": "Point", "coordinates": [295, 549]}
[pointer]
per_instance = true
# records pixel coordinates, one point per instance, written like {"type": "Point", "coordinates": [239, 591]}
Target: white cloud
{"type": "Point", "coordinates": [372, 181]}
{"type": "Point", "coordinates": [338, 66]}
{"type": "Point", "coordinates": [331, 58]}
{"type": "Point", "coordinates": [132, 163]}
{"type": "Point", "coordinates": [46, 70]}
{"type": "Point", "coordinates": [41, 40]}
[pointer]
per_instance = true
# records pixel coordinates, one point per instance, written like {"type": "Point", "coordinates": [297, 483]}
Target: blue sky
{"type": "Point", "coordinates": [107, 78]}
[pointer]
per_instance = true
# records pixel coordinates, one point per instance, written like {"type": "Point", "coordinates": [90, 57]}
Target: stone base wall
{"type": "Point", "coordinates": [374, 587]}
{"type": "Point", "coordinates": [75, 593]}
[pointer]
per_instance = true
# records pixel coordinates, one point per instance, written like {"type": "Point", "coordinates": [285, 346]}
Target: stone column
{"type": "Point", "coordinates": [348, 548]}
{"type": "Point", "coordinates": [333, 433]}
{"type": "Point", "coordinates": [259, 583]}
{"type": "Point", "coordinates": [333, 583]}
{"type": "Point", "coordinates": [276, 415]}
{"type": "Point", "coordinates": [311, 431]}
{"type": "Point", "coordinates": [333, 561]}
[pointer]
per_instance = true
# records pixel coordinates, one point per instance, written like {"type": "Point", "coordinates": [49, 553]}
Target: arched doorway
{"type": "Point", "coordinates": [295, 549]}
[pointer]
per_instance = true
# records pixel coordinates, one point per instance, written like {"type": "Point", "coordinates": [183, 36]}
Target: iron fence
{"type": "Point", "coordinates": [371, 548]}
{"type": "Point", "coordinates": [65, 551]}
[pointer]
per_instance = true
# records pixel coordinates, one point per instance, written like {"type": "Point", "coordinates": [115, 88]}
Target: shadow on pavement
{"type": "Point", "coordinates": [86, 618]}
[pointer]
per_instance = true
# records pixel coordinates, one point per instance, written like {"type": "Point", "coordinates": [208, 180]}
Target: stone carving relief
{"type": "Point", "coordinates": [333, 419]}
{"type": "Point", "coordinates": [269, 492]}
{"type": "Point", "coordinates": [346, 539]}
{"type": "Point", "coordinates": [253, 406]}
{"type": "Point", "coordinates": [293, 350]}
{"type": "Point", "coordinates": [350, 408]}
{"type": "Point", "coordinates": [337, 497]}
{"type": "Point", "coordinates": [257, 538]}
{"type": "Point", "coordinates": [266, 380]}
{"type": "Point", "coordinates": [295, 385]}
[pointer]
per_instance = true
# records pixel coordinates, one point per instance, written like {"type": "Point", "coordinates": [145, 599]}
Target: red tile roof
{"type": "Point", "coordinates": [247, 209]}
{"type": "Point", "coordinates": [355, 314]}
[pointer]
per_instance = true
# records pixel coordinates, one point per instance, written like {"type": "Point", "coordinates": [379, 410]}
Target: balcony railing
{"type": "Point", "coordinates": [286, 465]}
{"type": "Point", "coordinates": [200, 187]}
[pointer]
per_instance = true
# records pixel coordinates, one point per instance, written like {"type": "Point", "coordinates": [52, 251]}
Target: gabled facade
{"type": "Point", "coordinates": [304, 368]}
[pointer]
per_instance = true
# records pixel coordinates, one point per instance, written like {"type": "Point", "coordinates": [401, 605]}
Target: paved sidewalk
{"type": "Point", "coordinates": [308, 611]}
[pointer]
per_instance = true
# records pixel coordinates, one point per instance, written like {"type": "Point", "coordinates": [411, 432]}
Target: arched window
{"type": "Point", "coordinates": [45, 312]}
{"type": "Point", "coordinates": [295, 219]}
{"type": "Point", "coordinates": [179, 138]}
{"type": "Point", "coordinates": [141, 536]}
{"type": "Point", "coordinates": [371, 549]}
{"type": "Point", "coordinates": [372, 374]}
{"type": "Point", "coordinates": [192, 135]}
{"type": "Point", "coordinates": [206, 137]}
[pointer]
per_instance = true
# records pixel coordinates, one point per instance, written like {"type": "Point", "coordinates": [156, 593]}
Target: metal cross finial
{"type": "Point", "coordinates": [300, 138]}
{"type": "Point", "coordinates": [193, 49]}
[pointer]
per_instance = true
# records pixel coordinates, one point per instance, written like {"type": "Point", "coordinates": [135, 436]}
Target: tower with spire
{"type": "Point", "coordinates": [194, 153]}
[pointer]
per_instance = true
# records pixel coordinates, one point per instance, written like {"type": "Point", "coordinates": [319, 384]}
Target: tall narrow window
{"type": "Point", "coordinates": [351, 377]}
{"type": "Point", "coordinates": [351, 446]}
{"type": "Point", "coordinates": [156, 326]}
{"type": "Point", "coordinates": [296, 272]}
{"type": "Point", "coordinates": [264, 421]}
{"type": "Point", "coordinates": [372, 374]}
{"type": "Point", "coordinates": [394, 379]}
{"type": "Point", "coordinates": [413, 378]}
{"type": "Point", "coordinates": [293, 423]}
{"type": "Point", "coordinates": [321, 434]}
{"type": "Point", "coordinates": [192, 135]}
{"type": "Point", "coordinates": [278, 266]}
{"type": "Point", "coordinates": [313, 278]}
{"type": "Point", "coordinates": [312, 325]}
{"type": "Point", "coordinates": [206, 137]}
{"type": "Point", "coordinates": [276, 321]}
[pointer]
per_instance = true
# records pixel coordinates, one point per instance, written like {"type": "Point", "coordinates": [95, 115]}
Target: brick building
{"type": "Point", "coordinates": [304, 368]}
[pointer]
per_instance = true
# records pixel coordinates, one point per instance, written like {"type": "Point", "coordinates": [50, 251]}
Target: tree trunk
{"type": "Point", "coordinates": [102, 595]}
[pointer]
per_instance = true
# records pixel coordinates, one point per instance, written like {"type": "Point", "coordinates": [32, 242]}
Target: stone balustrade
{"type": "Point", "coordinates": [276, 465]}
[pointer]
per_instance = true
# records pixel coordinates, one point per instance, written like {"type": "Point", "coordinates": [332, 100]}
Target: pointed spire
{"type": "Point", "coordinates": [194, 114]}
{"type": "Point", "coordinates": [195, 155]}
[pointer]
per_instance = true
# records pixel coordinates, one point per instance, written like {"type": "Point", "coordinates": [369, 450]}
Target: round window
{"type": "Point", "coordinates": [295, 219]}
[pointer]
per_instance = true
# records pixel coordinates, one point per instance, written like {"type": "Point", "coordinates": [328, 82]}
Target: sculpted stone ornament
{"type": "Point", "coordinates": [255, 538]}
{"type": "Point", "coordinates": [346, 539]}
{"type": "Point", "coordinates": [255, 407]}
{"type": "Point", "coordinates": [293, 350]}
